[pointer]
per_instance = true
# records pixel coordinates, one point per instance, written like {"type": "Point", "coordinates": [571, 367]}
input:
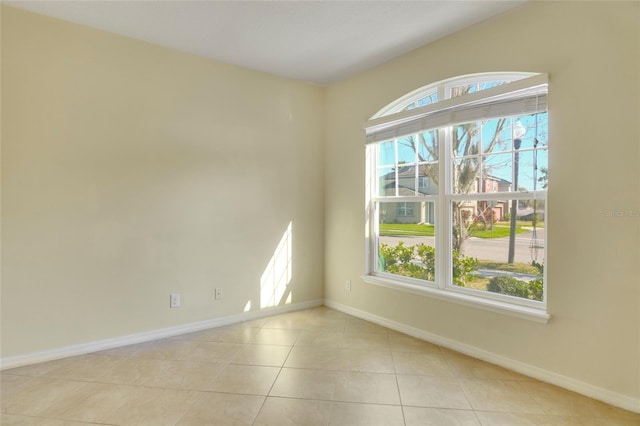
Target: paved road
{"type": "Point", "coordinates": [485, 248]}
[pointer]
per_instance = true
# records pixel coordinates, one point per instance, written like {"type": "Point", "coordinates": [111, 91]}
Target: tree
{"type": "Point", "coordinates": [466, 145]}
{"type": "Point", "coordinates": [544, 177]}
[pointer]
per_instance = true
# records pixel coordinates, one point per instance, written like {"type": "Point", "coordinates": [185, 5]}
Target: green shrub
{"type": "Point", "coordinates": [536, 289]}
{"type": "Point", "coordinates": [509, 285]}
{"type": "Point", "coordinates": [419, 261]}
{"type": "Point", "coordinates": [463, 266]}
{"type": "Point", "coordinates": [514, 287]}
{"type": "Point", "coordinates": [533, 289]}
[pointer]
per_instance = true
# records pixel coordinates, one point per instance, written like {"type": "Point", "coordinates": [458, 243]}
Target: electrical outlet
{"type": "Point", "coordinates": [218, 294]}
{"type": "Point", "coordinates": [174, 300]}
{"type": "Point", "coordinates": [347, 285]}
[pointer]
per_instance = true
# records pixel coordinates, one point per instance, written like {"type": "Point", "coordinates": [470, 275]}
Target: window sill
{"type": "Point", "coordinates": [523, 312]}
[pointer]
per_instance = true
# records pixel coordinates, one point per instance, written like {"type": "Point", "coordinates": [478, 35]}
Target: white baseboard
{"type": "Point", "coordinates": [595, 392]}
{"type": "Point", "coordinates": [84, 348]}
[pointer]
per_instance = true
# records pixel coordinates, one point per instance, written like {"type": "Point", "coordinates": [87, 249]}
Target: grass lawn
{"type": "Point", "coordinates": [527, 223]}
{"type": "Point", "coordinates": [413, 229]}
{"type": "Point", "coordinates": [402, 229]}
{"type": "Point", "coordinates": [499, 230]}
{"type": "Point", "coordinates": [521, 268]}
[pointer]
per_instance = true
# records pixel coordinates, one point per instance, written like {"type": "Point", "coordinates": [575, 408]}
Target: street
{"type": "Point", "coordinates": [486, 248]}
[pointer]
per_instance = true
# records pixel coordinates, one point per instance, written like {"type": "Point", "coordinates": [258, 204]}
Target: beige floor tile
{"type": "Point", "coordinates": [258, 322]}
{"type": "Point", "coordinates": [286, 322]}
{"type": "Point", "coordinates": [367, 361]}
{"type": "Point", "coordinates": [14, 420]}
{"type": "Point", "coordinates": [416, 363]}
{"type": "Point", "coordinates": [83, 367]}
{"type": "Point", "coordinates": [558, 401]}
{"type": "Point", "coordinates": [465, 366]}
{"type": "Point", "coordinates": [356, 325]}
{"type": "Point", "coordinates": [418, 416]}
{"type": "Point", "coordinates": [320, 339]}
{"type": "Point", "coordinates": [39, 394]}
{"type": "Point", "coordinates": [501, 395]}
{"type": "Point", "coordinates": [35, 370]}
{"type": "Point", "coordinates": [513, 419]}
{"type": "Point", "coordinates": [275, 336]}
{"type": "Point", "coordinates": [134, 370]}
{"type": "Point", "coordinates": [156, 407]}
{"type": "Point", "coordinates": [295, 412]}
{"type": "Point", "coordinates": [367, 388]}
{"type": "Point", "coordinates": [608, 422]}
{"type": "Point", "coordinates": [432, 392]}
{"type": "Point", "coordinates": [402, 343]}
{"type": "Point", "coordinates": [350, 414]}
{"type": "Point", "coordinates": [223, 409]}
{"type": "Point", "coordinates": [178, 374]}
{"type": "Point", "coordinates": [269, 355]}
{"type": "Point", "coordinates": [125, 351]}
{"type": "Point", "coordinates": [366, 341]}
{"type": "Point", "coordinates": [195, 350]}
{"type": "Point", "coordinates": [91, 403]}
{"type": "Point", "coordinates": [305, 384]}
{"type": "Point", "coordinates": [334, 325]}
{"type": "Point", "coordinates": [11, 386]}
{"type": "Point", "coordinates": [157, 349]}
{"type": "Point", "coordinates": [245, 379]}
{"type": "Point", "coordinates": [325, 312]}
{"type": "Point", "coordinates": [229, 334]}
{"type": "Point", "coordinates": [315, 358]}
{"type": "Point", "coordinates": [340, 359]}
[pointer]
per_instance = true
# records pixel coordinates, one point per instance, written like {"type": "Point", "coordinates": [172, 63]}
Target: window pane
{"type": "Point", "coordinates": [428, 146]}
{"type": "Point", "coordinates": [433, 98]}
{"type": "Point", "coordinates": [485, 258]}
{"type": "Point", "coordinates": [406, 181]}
{"type": "Point", "coordinates": [407, 150]}
{"type": "Point", "coordinates": [386, 153]}
{"type": "Point", "coordinates": [406, 243]}
{"type": "Point", "coordinates": [466, 173]}
{"type": "Point", "coordinates": [428, 179]}
{"type": "Point", "coordinates": [466, 139]}
{"type": "Point", "coordinates": [500, 141]}
{"type": "Point", "coordinates": [497, 173]}
{"type": "Point", "coordinates": [386, 181]}
{"type": "Point", "coordinates": [534, 127]}
{"type": "Point", "coordinates": [496, 135]}
{"type": "Point", "coordinates": [475, 87]}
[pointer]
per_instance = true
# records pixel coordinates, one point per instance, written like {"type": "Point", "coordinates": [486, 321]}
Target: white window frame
{"type": "Point", "coordinates": [525, 93]}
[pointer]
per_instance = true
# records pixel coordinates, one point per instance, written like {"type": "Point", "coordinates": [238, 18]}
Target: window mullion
{"type": "Point", "coordinates": [443, 218]}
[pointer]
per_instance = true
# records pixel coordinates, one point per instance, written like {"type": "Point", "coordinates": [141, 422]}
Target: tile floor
{"type": "Point", "coordinates": [313, 367]}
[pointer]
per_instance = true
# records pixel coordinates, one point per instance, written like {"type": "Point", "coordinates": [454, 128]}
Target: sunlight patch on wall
{"type": "Point", "coordinates": [247, 307]}
{"type": "Point", "coordinates": [277, 274]}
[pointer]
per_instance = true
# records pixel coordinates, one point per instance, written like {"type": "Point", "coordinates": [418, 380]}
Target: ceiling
{"type": "Point", "coordinates": [316, 41]}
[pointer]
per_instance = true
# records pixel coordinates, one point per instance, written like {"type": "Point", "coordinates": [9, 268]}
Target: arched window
{"type": "Point", "coordinates": [456, 191]}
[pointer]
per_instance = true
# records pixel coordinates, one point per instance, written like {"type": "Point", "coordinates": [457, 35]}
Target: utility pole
{"type": "Point", "coordinates": [518, 133]}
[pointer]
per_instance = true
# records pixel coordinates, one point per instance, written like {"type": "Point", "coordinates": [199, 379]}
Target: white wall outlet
{"type": "Point", "coordinates": [218, 294]}
{"type": "Point", "coordinates": [347, 285]}
{"type": "Point", "coordinates": [174, 300]}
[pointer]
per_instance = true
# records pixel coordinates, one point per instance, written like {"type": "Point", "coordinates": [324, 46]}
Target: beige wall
{"type": "Point", "coordinates": [591, 51]}
{"type": "Point", "coordinates": [130, 171]}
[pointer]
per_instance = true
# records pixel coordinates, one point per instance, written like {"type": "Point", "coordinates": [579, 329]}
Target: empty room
{"type": "Point", "coordinates": [320, 213]}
